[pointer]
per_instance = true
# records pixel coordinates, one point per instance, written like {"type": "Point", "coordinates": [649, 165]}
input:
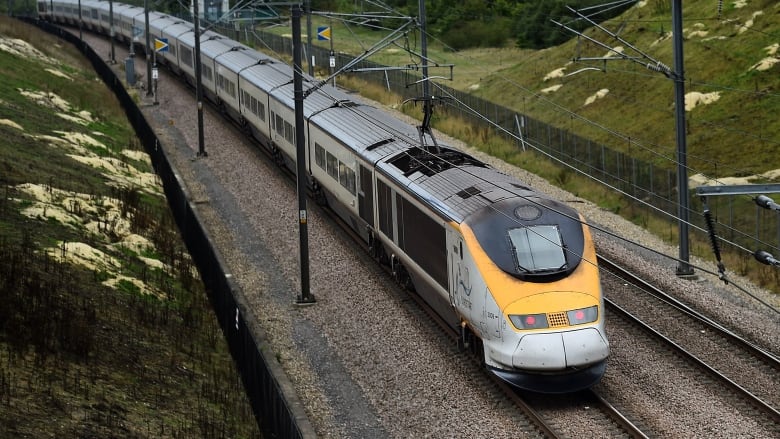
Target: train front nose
{"type": "Point", "coordinates": [557, 362]}
{"type": "Point", "coordinates": [560, 350]}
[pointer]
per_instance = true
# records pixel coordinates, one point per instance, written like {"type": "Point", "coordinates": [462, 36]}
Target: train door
{"type": "Point", "coordinates": [461, 268]}
{"type": "Point", "coordinates": [366, 196]}
{"type": "Point", "coordinates": [454, 261]}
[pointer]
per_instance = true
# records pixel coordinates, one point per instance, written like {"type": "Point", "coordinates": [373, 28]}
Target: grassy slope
{"type": "Point", "coordinates": [78, 358]}
{"type": "Point", "coordinates": [737, 135]}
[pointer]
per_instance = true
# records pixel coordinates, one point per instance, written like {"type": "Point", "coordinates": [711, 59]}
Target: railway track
{"type": "Point", "coordinates": [540, 412]}
{"type": "Point", "coordinates": [725, 360]}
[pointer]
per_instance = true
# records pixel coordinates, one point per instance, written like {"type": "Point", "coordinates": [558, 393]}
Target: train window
{"type": "Point", "coordinates": [385, 208]}
{"type": "Point", "coordinates": [538, 248]}
{"type": "Point", "coordinates": [260, 110]}
{"type": "Point", "coordinates": [342, 174]}
{"type": "Point", "coordinates": [347, 177]}
{"type": "Point", "coordinates": [186, 56]}
{"type": "Point", "coordinates": [289, 132]}
{"type": "Point", "coordinates": [319, 155]}
{"type": "Point", "coordinates": [279, 125]}
{"type": "Point", "coordinates": [333, 166]}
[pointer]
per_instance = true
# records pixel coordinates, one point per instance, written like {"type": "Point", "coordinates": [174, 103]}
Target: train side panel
{"type": "Point", "coordinates": [174, 55]}
{"type": "Point", "coordinates": [255, 82]}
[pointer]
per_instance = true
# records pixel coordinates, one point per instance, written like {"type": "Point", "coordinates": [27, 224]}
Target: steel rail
{"type": "Point", "coordinates": [736, 387]}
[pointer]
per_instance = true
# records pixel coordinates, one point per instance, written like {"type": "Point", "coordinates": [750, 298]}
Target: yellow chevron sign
{"type": "Point", "coordinates": [160, 44]}
{"type": "Point", "coordinates": [323, 33]}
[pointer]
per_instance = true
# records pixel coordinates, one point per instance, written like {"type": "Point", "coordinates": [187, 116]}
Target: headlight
{"type": "Point", "coordinates": [529, 321]}
{"type": "Point", "coordinates": [540, 321]}
{"type": "Point", "coordinates": [584, 315]}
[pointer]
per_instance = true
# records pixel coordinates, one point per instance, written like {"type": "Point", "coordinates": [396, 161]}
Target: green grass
{"type": "Point", "coordinates": [737, 135]}
{"type": "Point", "coordinates": [78, 358]}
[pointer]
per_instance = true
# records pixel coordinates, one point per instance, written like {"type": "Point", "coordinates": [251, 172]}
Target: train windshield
{"type": "Point", "coordinates": [538, 249]}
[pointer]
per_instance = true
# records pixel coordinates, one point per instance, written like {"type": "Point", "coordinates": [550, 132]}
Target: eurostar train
{"type": "Point", "coordinates": [511, 269]}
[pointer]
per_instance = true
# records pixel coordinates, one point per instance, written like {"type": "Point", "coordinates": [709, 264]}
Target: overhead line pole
{"type": "Point", "coordinates": [198, 86]}
{"type": "Point", "coordinates": [678, 76]}
{"type": "Point", "coordinates": [111, 31]}
{"type": "Point", "coordinates": [683, 267]}
{"type": "Point", "coordinates": [424, 51]}
{"type": "Point", "coordinates": [305, 297]}
{"type": "Point", "coordinates": [307, 6]}
{"type": "Point", "coordinates": [148, 51]}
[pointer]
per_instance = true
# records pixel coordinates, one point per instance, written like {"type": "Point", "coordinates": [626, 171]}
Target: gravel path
{"type": "Point", "coordinates": [362, 362]}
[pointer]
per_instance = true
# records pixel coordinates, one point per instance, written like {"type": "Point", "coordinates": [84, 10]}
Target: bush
{"type": "Point", "coordinates": [493, 33]}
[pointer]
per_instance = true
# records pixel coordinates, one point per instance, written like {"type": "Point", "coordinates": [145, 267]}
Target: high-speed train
{"type": "Point", "coordinates": [511, 269]}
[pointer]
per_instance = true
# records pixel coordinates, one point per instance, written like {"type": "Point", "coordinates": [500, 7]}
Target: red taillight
{"type": "Point", "coordinates": [529, 321]}
{"type": "Point", "coordinates": [584, 315]}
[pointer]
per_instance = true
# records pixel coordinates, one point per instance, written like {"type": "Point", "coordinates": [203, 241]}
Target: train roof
{"type": "Point", "coordinates": [241, 57]}
{"type": "Point", "coordinates": [470, 188]}
{"type": "Point", "coordinates": [120, 8]}
{"type": "Point", "coordinates": [212, 44]}
{"type": "Point", "coordinates": [457, 184]}
{"type": "Point", "coordinates": [367, 130]}
{"type": "Point", "coordinates": [162, 21]}
{"type": "Point", "coordinates": [351, 124]}
{"type": "Point", "coordinates": [153, 15]}
{"type": "Point", "coordinates": [267, 76]}
{"type": "Point", "coordinates": [158, 26]}
{"type": "Point", "coordinates": [312, 104]}
{"type": "Point", "coordinates": [90, 3]}
{"type": "Point", "coordinates": [176, 29]}
{"type": "Point", "coordinates": [130, 12]}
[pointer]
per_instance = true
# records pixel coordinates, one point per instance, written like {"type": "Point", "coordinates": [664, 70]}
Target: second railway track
{"type": "Point", "coordinates": [747, 375]}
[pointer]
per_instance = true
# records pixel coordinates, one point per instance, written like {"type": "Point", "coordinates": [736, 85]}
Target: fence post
{"type": "Point", "coordinates": [520, 131]}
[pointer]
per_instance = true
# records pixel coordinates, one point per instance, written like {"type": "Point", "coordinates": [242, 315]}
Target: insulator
{"type": "Point", "coordinates": [720, 8]}
{"type": "Point", "coordinates": [766, 202]}
{"type": "Point", "coordinates": [765, 257]}
{"type": "Point", "coordinates": [711, 231]}
{"type": "Point", "coordinates": [659, 67]}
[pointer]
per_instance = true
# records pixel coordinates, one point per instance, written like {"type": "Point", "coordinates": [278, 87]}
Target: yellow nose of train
{"type": "Point", "coordinates": [543, 282]}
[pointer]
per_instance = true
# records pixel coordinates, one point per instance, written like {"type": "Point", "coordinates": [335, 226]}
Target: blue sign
{"type": "Point", "coordinates": [160, 44]}
{"type": "Point", "coordinates": [323, 33]}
